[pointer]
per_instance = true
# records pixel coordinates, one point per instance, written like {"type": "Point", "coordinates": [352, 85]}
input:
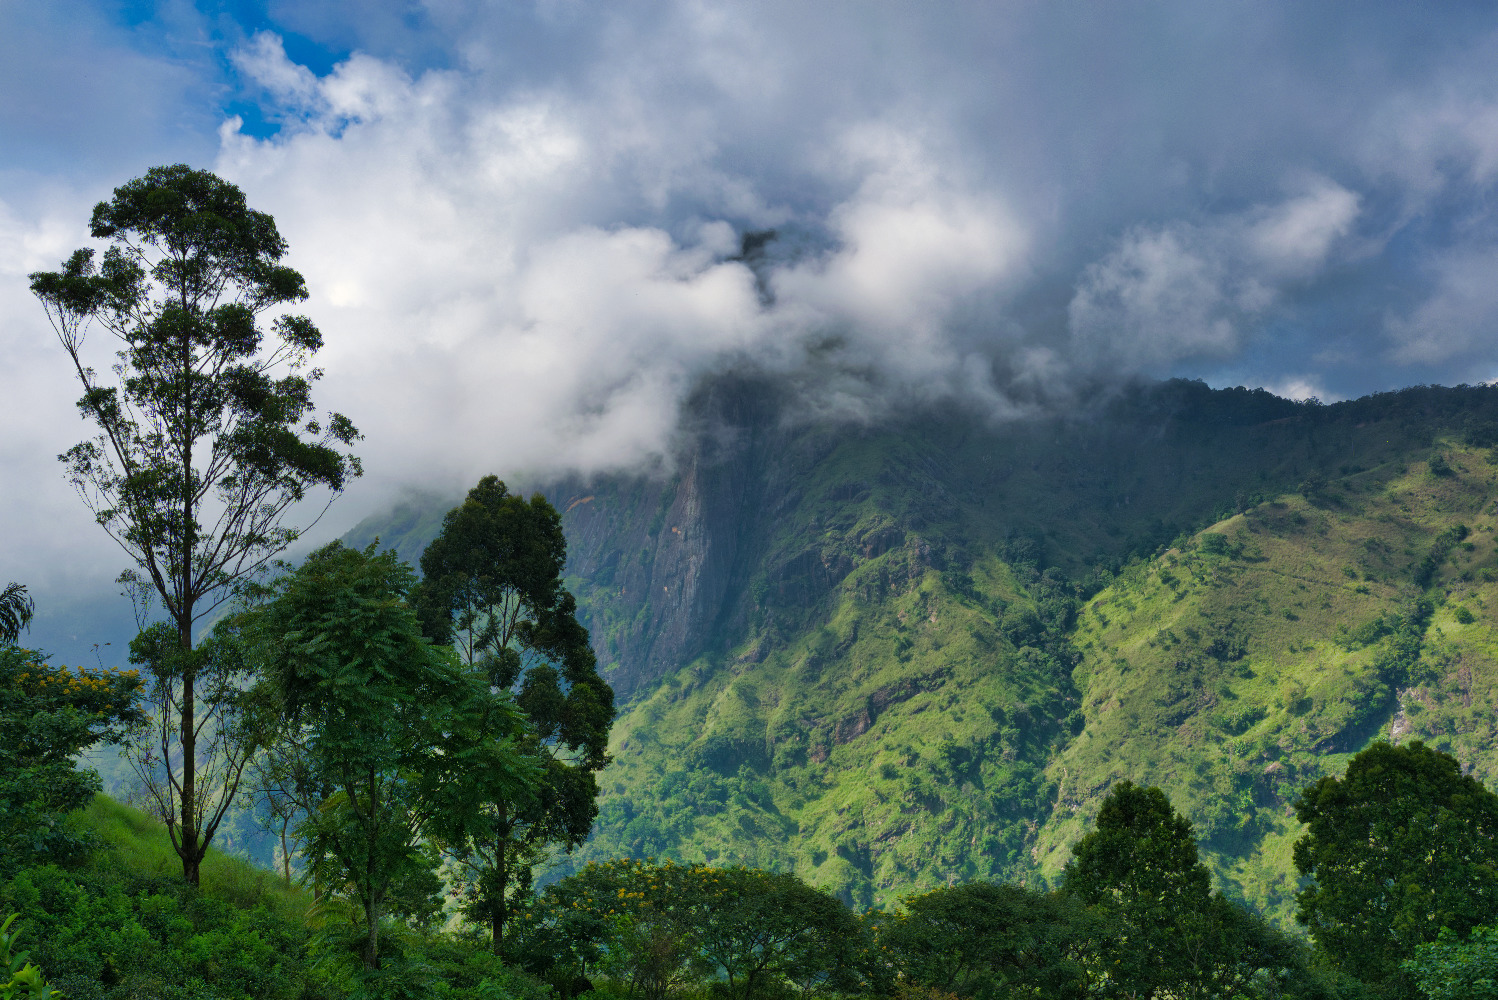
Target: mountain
{"type": "Point", "coordinates": [893, 654]}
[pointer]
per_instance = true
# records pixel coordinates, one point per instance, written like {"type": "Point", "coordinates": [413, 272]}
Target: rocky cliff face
{"type": "Point", "coordinates": [760, 516]}
{"type": "Point", "coordinates": [660, 563]}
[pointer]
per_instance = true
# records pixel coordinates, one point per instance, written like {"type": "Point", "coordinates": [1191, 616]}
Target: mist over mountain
{"type": "Point", "coordinates": [530, 233]}
{"type": "Point", "coordinates": [833, 332]}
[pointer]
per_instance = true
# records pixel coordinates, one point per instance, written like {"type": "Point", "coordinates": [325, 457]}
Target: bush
{"type": "Point", "coordinates": [22, 979]}
{"type": "Point", "coordinates": [1449, 968]}
{"type": "Point", "coordinates": [985, 939]}
{"type": "Point", "coordinates": [48, 714]}
{"type": "Point", "coordinates": [655, 928]}
{"type": "Point", "coordinates": [104, 934]}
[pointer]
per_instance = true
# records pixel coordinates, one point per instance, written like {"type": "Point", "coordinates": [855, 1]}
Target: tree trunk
{"type": "Point", "coordinates": [188, 849]}
{"type": "Point", "coordinates": [498, 913]}
{"type": "Point", "coordinates": [373, 898]}
{"type": "Point", "coordinates": [183, 571]}
{"type": "Point", "coordinates": [372, 937]}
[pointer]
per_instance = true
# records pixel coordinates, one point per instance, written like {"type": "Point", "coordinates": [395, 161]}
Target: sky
{"type": "Point", "coordinates": [521, 223]}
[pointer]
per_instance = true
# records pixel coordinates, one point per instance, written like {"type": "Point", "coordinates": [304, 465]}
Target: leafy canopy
{"type": "Point", "coordinates": [1169, 933]}
{"type": "Point", "coordinates": [1449, 968]}
{"type": "Point", "coordinates": [404, 744]}
{"type": "Point", "coordinates": [200, 449]}
{"type": "Point", "coordinates": [986, 939]}
{"type": "Point", "coordinates": [48, 715]}
{"type": "Point", "coordinates": [1399, 848]}
{"type": "Point", "coordinates": [655, 927]}
{"type": "Point", "coordinates": [492, 587]}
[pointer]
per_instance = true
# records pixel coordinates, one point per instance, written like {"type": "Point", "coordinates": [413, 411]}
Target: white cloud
{"type": "Point", "coordinates": [1432, 138]}
{"type": "Point", "coordinates": [485, 310]}
{"type": "Point", "coordinates": [1458, 318]}
{"type": "Point", "coordinates": [50, 541]}
{"type": "Point", "coordinates": [264, 62]}
{"type": "Point", "coordinates": [1196, 290]}
{"type": "Point", "coordinates": [522, 257]}
{"type": "Point", "coordinates": [1300, 388]}
{"type": "Point", "coordinates": [1294, 238]}
{"type": "Point", "coordinates": [1158, 296]}
{"type": "Point", "coordinates": [913, 245]}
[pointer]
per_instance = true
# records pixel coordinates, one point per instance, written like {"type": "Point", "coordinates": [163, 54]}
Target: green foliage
{"type": "Point", "coordinates": [1140, 868]}
{"type": "Point", "coordinates": [106, 933]}
{"type": "Point", "coordinates": [1168, 934]}
{"type": "Point", "coordinates": [758, 929]}
{"type": "Point", "coordinates": [989, 940]}
{"type": "Point", "coordinates": [1400, 847]}
{"type": "Point", "coordinates": [227, 730]}
{"type": "Point", "coordinates": [1450, 968]}
{"type": "Point", "coordinates": [117, 925]}
{"type": "Point", "coordinates": [401, 744]}
{"type": "Point", "coordinates": [16, 610]}
{"type": "Point", "coordinates": [492, 585]}
{"type": "Point", "coordinates": [22, 978]}
{"type": "Point", "coordinates": [1447, 540]}
{"type": "Point", "coordinates": [48, 715]}
{"type": "Point", "coordinates": [1233, 738]}
{"type": "Point", "coordinates": [656, 927]}
{"type": "Point", "coordinates": [201, 449]}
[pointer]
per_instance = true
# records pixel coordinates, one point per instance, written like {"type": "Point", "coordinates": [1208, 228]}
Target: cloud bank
{"type": "Point", "coordinates": [467, 253]}
{"type": "Point", "coordinates": [523, 226]}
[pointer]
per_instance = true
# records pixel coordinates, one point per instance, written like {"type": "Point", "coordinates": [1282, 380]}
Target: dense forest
{"type": "Point", "coordinates": [1399, 861]}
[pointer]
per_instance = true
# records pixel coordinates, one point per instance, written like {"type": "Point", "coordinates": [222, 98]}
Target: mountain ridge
{"type": "Point", "coordinates": [870, 652]}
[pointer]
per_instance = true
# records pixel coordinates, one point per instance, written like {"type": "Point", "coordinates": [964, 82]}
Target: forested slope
{"type": "Point", "coordinates": [890, 655]}
{"type": "Point", "coordinates": [1237, 668]}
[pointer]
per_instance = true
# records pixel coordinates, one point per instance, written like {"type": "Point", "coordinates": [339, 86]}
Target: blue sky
{"type": "Point", "coordinates": [518, 220]}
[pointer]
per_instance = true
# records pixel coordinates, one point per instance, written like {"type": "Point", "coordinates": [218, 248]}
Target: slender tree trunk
{"type": "Point", "coordinates": [190, 853]}
{"type": "Point", "coordinates": [372, 906]}
{"type": "Point", "coordinates": [502, 879]}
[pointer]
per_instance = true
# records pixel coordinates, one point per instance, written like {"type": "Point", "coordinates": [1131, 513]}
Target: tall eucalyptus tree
{"type": "Point", "coordinates": [206, 437]}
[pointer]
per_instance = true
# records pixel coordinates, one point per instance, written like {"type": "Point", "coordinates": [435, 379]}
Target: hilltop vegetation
{"type": "Point", "coordinates": [1239, 666]}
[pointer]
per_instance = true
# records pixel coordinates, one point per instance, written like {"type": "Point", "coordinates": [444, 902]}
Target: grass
{"type": "Point", "coordinates": [137, 842]}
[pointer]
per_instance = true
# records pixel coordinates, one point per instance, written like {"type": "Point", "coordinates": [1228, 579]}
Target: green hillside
{"type": "Point", "coordinates": [119, 921]}
{"type": "Point", "coordinates": [1239, 667]}
{"type": "Point", "coordinates": [891, 656]}
{"type": "Point", "coordinates": [137, 843]}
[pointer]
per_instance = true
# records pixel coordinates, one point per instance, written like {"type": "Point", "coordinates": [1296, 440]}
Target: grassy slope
{"type": "Point", "coordinates": [1234, 679]}
{"type": "Point", "coordinates": [861, 779]}
{"type": "Point", "coordinates": [137, 842]}
{"type": "Point", "coordinates": [904, 738]}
